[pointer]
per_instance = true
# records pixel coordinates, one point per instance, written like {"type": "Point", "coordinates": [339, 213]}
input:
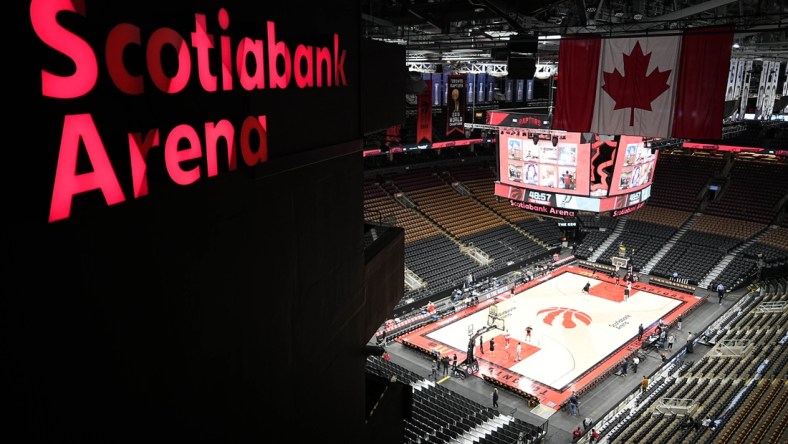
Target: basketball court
{"type": "Point", "coordinates": [576, 337]}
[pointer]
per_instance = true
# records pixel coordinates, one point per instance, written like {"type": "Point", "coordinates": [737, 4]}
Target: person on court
{"type": "Point", "coordinates": [587, 287]}
{"type": "Point", "coordinates": [627, 291]}
{"type": "Point", "coordinates": [528, 333]}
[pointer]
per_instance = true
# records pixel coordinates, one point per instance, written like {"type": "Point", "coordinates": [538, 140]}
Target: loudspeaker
{"type": "Point", "coordinates": [414, 83]}
{"type": "Point", "coordinates": [499, 54]}
{"type": "Point", "coordinates": [521, 67]}
{"type": "Point", "coordinates": [523, 44]}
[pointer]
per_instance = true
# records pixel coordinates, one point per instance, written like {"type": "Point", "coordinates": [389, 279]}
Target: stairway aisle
{"type": "Point", "coordinates": [610, 239]}
{"type": "Point", "coordinates": [669, 244]}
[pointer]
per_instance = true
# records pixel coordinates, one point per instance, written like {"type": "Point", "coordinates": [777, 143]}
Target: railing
{"type": "Point", "coordinates": [675, 406]}
{"type": "Point", "coordinates": [413, 281]}
{"type": "Point", "coordinates": [477, 255]}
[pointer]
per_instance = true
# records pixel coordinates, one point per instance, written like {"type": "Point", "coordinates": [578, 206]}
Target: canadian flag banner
{"type": "Point", "coordinates": [653, 86]}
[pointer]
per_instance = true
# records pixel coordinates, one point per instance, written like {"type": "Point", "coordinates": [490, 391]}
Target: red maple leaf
{"type": "Point", "coordinates": [636, 90]}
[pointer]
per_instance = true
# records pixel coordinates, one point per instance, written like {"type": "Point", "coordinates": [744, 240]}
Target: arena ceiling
{"type": "Point", "coordinates": [472, 30]}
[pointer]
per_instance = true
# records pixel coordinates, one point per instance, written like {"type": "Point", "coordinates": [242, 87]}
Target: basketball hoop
{"type": "Point", "coordinates": [495, 321]}
{"type": "Point", "coordinates": [619, 262]}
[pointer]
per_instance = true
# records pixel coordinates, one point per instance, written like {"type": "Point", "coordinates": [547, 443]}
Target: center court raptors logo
{"type": "Point", "coordinates": [569, 315]}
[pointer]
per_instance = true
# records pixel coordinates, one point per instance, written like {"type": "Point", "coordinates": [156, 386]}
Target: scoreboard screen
{"type": "Point", "coordinates": [540, 165]}
{"type": "Point", "coordinates": [634, 166]}
{"type": "Point", "coordinates": [562, 176]}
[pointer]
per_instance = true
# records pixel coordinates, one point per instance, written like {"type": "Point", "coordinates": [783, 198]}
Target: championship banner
{"type": "Point", "coordinates": [424, 116]}
{"type": "Point", "coordinates": [455, 105]}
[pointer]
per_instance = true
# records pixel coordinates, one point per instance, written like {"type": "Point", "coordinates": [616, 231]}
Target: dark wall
{"type": "Point", "coordinates": [210, 322]}
{"type": "Point", "coordinates": [383, 276]}
{"type": "Point", "coordinates": [383, 81]}
{"type": "Point", "coordinates": [395, 401]}
{"type": "Point", "coordinates": [219, 311]}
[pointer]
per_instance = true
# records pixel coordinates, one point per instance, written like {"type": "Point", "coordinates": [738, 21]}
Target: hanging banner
{"type": "Point", "coordinates": [654, 85]}
{"type": "Point", "coordinates": [455, 106]}
{"type": "Point", "coordinates": [771, 88]}
{"type": "Point", "coordinates": [738, 82]}
{"type": "Point", "coordinates": [734, 80]}
{"type": "Point", "coordinates": [785, 84]}
{"type": "Point", "coordinates": [520, 89]}
{"type": "Point", "coordinates": [445, 89]}
{"type": "Point", "coordinates": [470, 79]}
{"type": "Point", "coordinates": [436, 89]}
{"type": "Point", "coordinates": [731, 79]}
{"type": "Point", "coordinates": [745, 88]}
{"type": "Point", "coordinates": [424, 116]}
{"type": "Point", "coordinates": [481, 82]}
{"type": "Point", "coordinates": [762, 87]}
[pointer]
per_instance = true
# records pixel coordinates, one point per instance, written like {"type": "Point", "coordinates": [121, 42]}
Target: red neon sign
{"type": "Point", "coordinates": [253, 64]}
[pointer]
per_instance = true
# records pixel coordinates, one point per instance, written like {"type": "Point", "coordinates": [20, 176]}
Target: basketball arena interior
{"type": "Point", "coordinates": [397, 221]}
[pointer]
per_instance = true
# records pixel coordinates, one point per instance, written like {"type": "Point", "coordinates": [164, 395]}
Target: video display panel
{"type": "Point", "coordinates": [542, 166]}
{"type": "Point", "coordinates": [569, 177]}
{"type": "Point", "coordinates": [603, 159]}
{"type": "Point", "coordinates": [634, 166]}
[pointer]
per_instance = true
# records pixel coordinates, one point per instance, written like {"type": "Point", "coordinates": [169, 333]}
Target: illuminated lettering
{"type": "Point", "coordinates": [43, 18]}
{"type": "Point", "coordinates": [276, 50]}
{"type": "Point", "coordinates": [182, 144]}
{"type": "Point", "coordinates": [136, 56]}
{"type": "Point", "coordinates": [311, 66]}
{"type": "Point", "coordinates": [67, 182]}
